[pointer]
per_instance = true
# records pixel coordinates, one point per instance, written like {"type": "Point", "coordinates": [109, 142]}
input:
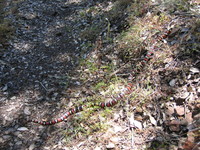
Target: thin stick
{"type": "Point", "coordinates": [43, 86]}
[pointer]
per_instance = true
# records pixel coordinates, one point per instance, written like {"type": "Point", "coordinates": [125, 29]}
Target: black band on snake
{"type": "Point", "coordinates": [127, 90]}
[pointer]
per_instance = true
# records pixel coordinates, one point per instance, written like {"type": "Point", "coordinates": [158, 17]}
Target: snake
{"type": "Point", "coordinates": [115, 98]}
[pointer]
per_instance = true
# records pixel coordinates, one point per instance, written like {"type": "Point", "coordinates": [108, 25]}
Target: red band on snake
{"type": "Point", "coordinates": [127, 90]}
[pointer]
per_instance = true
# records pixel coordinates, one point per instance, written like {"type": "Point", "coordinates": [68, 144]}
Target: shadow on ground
{"type": "Point", "coordinates": [35, 69]}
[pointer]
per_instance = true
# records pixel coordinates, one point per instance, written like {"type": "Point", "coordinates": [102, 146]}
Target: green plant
{"type": "Point", "coordinates": [91, 32]}
{"type": "Point", "coordinates": [82, 13]}
{"type": "Point", "coordinates": [100, 85]}
{"type": "Point", "coordinates": [106, 112]}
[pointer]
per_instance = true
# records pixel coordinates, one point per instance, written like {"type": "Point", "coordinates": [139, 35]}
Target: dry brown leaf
{"type": "Point", "coordinates": [153, 120]}
{"type": "Point", "coordinates": [188, 145]}
{"type": "Point", "coordinates": [170, 110]}
{"type": "Point", "coordinates": [188, 117]}
{"type": "Point", "coordinates": [180, 110]}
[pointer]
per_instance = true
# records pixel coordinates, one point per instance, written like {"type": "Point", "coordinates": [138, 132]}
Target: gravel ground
{"type": "Point", "coordinates": [34, 69]}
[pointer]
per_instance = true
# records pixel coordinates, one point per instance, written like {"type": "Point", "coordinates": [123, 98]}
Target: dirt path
{"type": "Point", "coordinates": [34, 69]}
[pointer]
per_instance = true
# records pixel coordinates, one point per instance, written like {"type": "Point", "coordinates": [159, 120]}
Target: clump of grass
{"type": "Point", "coordinates": [91, 33]}
{"type": "Point", "coordinates": [159, 20]}
{"type": "Point", "coordinates": [90, 66]}
{"type": "Point", "coordinates": [100, 85]}
{"type": "Point", "coordinates": [129, 43]}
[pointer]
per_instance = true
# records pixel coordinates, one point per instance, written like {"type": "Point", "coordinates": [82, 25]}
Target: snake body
{"type": "Point", "coordinates": [115, 99]}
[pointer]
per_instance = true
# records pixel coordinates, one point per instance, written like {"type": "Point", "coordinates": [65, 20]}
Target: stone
{"type": "Point", "coordinates": [172, 82]}
{"type": "Point", "coordinates": [27, 111]}
{"type": "Point", "coordinates": [22, 129]}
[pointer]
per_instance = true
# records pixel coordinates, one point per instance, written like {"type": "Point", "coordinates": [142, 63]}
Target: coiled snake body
{"type": "Point", "coordinates": [127, 90]}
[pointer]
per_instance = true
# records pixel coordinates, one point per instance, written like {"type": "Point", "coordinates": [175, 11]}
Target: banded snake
{"type": "Point", "coordinates": [115, 99]}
